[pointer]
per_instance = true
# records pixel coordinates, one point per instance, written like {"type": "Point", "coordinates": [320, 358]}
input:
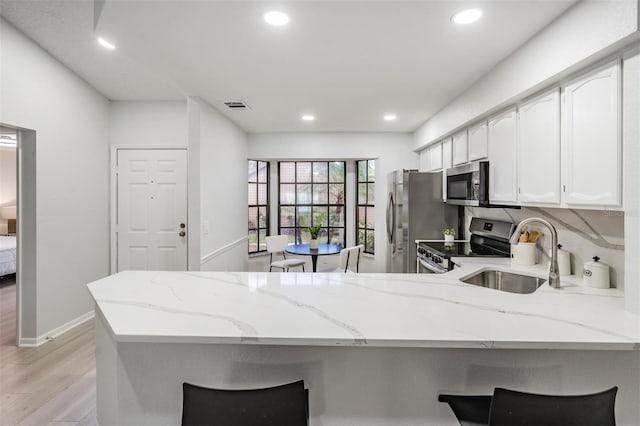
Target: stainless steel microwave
{"type": "Point", "coordinates": [468, 184]}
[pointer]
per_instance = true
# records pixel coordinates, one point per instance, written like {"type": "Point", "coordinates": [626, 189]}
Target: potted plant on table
{"type": "Point", "coordinates": [314, 231]}
{"type": "Point", "coordinates": [449, 234]}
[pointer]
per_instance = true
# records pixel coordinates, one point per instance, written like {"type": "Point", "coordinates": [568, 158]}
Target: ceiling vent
{"type": "Point", "coordinates": [237, 105]}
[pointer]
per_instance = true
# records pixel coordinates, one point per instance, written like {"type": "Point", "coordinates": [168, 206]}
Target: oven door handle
{"type": "Point", "coordinates": [431, 267]}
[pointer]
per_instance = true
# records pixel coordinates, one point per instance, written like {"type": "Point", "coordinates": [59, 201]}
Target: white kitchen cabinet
{"type": "Point", "coordinates": [425, 160]}
{"type": "Point", "coordinates": [478, 141]}
{"type": "Point", "coordinates": [447, 153]}
{"type": "Point", "coordinates": [538, 149]}
{"type": "Point", "coordinates": [436, 156]}
{"type": "Point", "coordinates": [592, 146]}
{"type": "Point", "coordinates": [502, 159]}
{"type": "Point", "coordinates": [460, 148]}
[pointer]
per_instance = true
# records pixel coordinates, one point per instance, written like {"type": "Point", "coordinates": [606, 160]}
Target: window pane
{"type": "Point", "coordinates": [370, 246]}
{"type": "Point", "coordinates": [371, 193]}
{"type": "Point", "coordinates": [362, 171]}
{"type": "Point", "coordinates": [320, 195]}
{"type": "Point", "coordinates": [361, 235]}
{"type": "Point", "coordinates": [371, 217]}
{"type": "Point", "coordinates": [362, 217]}
{"type": "Point", "coordinates": [303, 235]}
{"type": "Point", "coordinates": [362, 193]}
{"type": "Point", "coordinates": [253, 241]}
{"type": "Point", "coordinates": [262, 217]}
{"type": "Point", "coordinates": [336, 216]}
{"type": "Point", "coordinates": [262, 171]}
{"type": "Point", "coordinates": [320, 216]}
{"type": "Point", "coordinates": [304, 216]}
{"type": "Point", "coordinates": [262, 193]}
{"type": "Point", "coordinates": [336, 193]}
{"type": "Point", "coordinates": [320, 172]}
{"type": "Point", "coordinates": [262, 242]}
{"type": "Point", "coordinates": [287, 194]}
{"type": "Point", "coordinates": [251, 171]}
{"type": "Point", "coordinates": [336, 236]}
{"type": "Point", "coordinates": [287, 172]}
{"type": "Point", "coordinates": [372, 170]}
{"type": "Point", "coordinates": [336, 171]}
{"type": "Point", "coordinates": [290, 232]}
{"type": "Point", "coordinates": [323, 238]}
{"type": "Point", "coordinates": [287, 216]}
{"type": "Point", "coordinates": [303, 172]}
{"type": "Point", "coordinates": [303, 193]}
{"type": "Point", "coordinates": [253, 217]}
{"type": "Point", "coordinates": [252, 194]}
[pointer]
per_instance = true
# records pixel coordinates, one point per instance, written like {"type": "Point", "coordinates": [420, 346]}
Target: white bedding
{"type": "Point", "coordinates": [7, 255]}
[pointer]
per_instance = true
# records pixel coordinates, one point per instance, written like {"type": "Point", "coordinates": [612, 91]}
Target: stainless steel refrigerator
{"type": "Point", "coordinates": [415, 211]}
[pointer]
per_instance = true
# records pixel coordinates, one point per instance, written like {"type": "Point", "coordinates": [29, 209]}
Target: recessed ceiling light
{"type": "Point", "coordinates": [308, 117]}
{"type": "Point", "coordinates": [466, 16]}
{"type": "Point", "coordinates": [390, 117]}
{"type": "Point", "coordinates": [276, 18]}
{"type": "Point", "coordinates": [106, 44]}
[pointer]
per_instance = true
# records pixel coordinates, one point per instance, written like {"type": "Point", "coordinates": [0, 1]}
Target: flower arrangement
{"type": "Point", "coordinates": [449, 231]}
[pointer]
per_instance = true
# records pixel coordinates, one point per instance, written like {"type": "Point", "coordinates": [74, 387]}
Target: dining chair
{"type": "Point", "coordinates": [470, 410]}
{"type": "Point", "coordinates": [513, 408]}
{"type": "Point", "coordinates": [283, 405]}
{"type": "Point", "coordinates": [277, 244]}
{"type": "Point", "coordinates": [350, 259]}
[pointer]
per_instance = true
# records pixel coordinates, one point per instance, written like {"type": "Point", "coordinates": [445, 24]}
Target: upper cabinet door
{"type": "Point", "coordinates": [539, 149]}
{"type": "Point", "coordinates": [592, 146]}
{"type": "Point", "coordinates": [447, 153]}
{"type": "Point", "coordinates": [436, 156]}
{"type": "Point", "coordinates": [502, 159]}
{"type": "Point", "coordinates": [478, 141]}
{"type": "Point", "coordinates": [460, 148]}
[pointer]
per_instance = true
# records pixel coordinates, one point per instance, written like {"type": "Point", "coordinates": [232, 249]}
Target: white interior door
{"type": "Point", "coordinates": [152, 209]}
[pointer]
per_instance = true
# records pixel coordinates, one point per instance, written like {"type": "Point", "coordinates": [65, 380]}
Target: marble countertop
{"type": "Point", "coordinates": [384, 310]}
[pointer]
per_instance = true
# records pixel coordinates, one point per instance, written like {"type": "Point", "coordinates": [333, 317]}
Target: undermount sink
{"type": "Point", "coordinates": [505, 281]}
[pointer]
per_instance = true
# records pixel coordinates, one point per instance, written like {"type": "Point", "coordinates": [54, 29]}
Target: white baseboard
{"type": "Point", "coordinates": [52, 334]}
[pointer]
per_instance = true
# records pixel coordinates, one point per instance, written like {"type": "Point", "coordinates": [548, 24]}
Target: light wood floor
{"type": "Point", "coordinates": [53, 384]}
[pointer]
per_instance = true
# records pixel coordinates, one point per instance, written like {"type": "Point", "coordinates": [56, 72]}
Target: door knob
{"type": "Point", "coordinates": [182, 233]}
{"type": "Point", "coordinates": [182, 225]}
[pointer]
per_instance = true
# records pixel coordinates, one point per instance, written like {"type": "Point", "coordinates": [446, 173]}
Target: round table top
{"type": "Point", "coordinates": [323, 249]}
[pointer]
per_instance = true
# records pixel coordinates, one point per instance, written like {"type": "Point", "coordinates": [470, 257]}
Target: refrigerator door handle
{"type": "Point", "coordinates": [391, 223]}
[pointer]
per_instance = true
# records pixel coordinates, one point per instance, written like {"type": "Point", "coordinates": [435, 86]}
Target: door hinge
{"type": "Point", "coordinates": [564, 188]}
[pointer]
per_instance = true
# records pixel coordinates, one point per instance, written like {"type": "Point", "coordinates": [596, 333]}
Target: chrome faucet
{"type": "Point", "coordinates": [554, 274]}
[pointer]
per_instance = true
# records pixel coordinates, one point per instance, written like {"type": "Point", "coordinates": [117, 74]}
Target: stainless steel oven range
{"type": "Point", "coordinates": [488, 238]}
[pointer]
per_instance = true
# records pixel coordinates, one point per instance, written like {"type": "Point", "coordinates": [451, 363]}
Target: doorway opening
{"type": "Point", "coordinates": [18, 295]}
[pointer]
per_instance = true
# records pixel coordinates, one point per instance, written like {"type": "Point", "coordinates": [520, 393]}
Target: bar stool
{"type": "Point", "coordinates": [284, 405]}
{"type": "Point", "coordinates": [470, 410]}
{"type": "Point", "coordinates": [512, 408]}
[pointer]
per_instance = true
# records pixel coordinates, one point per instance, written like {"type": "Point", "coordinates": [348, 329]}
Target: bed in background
{"type": "Point", "coordinates": [8, 251]}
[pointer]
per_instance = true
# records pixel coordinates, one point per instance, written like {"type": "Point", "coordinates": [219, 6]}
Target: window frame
{"type": "Point", "coordinates": [267, 226]}
{"type": "Point", "coordinates": [298, 239]}
{"type": "Point", "coordinates": [365, 205]}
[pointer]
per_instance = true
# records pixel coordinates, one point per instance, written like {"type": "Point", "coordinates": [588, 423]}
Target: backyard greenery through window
{"type": "Point", "coordinates": [366, 210]}
{"type": "Point", "coordinates": [258, 180]}
{"type": "Point", "coordinates": [312, 193]}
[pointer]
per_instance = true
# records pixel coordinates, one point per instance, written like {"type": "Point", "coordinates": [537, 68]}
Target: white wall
{"type": "Point", "coordinates": [72, 149]}
{"type": "Point", "coordinates": [7, 176]}
{"type": "Point", "coordinates": [223, 192]}
{"type": "Point", "coordinates": [162, 123]}
{"type": "Point", "coordinates": [582, 33]}
{"type": "Point", "coordinates": [392, 151]}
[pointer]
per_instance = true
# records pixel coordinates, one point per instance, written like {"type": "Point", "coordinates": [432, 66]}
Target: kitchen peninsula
{"type": "Point", "coordinates": [373, 349]}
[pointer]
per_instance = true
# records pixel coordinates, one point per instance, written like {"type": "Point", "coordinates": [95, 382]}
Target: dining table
{"type": "Point", "coordinates": [306, 250]}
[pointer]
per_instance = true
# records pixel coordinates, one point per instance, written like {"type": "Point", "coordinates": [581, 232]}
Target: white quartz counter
{"type": "Point", "coordinates": [383, 310]}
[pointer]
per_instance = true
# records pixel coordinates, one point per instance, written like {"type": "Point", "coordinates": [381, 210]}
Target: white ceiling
{"type": "Point", "coordinates": [347, 62]}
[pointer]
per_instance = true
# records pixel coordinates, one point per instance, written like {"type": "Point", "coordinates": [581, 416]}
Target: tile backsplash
{"type": "Point", "coordinates": [584, 233]}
